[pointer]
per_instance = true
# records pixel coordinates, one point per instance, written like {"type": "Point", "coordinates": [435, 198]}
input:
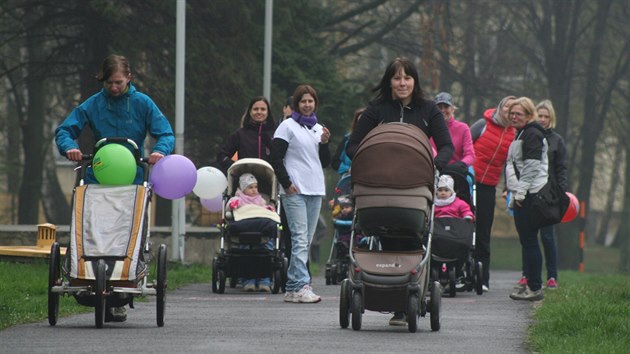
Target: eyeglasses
{"type": "Point", "coordinates": [518, 114]}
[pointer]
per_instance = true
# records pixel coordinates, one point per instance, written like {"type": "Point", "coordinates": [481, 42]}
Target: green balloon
{"type": "Point", "coordinates": [114, 164]}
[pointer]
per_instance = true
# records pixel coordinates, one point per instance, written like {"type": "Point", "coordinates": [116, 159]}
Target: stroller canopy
{"type": "Point", "coordinates": [260, 168]}
{"type": "Point", "coordinates": [394, 155]}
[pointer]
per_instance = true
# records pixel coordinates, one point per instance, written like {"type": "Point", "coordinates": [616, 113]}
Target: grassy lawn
{"type": "Point", "coordinates": [23, 298]}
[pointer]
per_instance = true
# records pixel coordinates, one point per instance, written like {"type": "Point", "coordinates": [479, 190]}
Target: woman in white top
{"type": "Point", "coordinates": [299, 154]}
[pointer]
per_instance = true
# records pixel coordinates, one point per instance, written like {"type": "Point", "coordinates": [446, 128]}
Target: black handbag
{"type": "Point", "coordinates": [549, 204]}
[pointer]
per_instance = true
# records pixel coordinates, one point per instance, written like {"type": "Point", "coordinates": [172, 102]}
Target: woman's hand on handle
{"type": "Point", "coordinates": [74, 155]}
{"type": "Point", "coordinates": [155, 157]}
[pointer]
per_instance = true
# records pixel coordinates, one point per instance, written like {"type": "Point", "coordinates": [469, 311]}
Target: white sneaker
{"type": "Point", "coordinates": [306, 295]}
{"type": "Point", "coordinates": [485, 288]}
{"type": "Point", "coordinates": [288, 296]}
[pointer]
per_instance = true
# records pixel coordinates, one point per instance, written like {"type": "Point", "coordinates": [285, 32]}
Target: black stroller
{"type": "Point", "coordinates": [246, 230]}
{"type": "Point", "coordinates": [394, 203]}
{"type": "Point", "coordinates": [107, 261]}
{"type": "Point", "coordinates": [339, 259]}
{"type": "Point", "coordinates": [454, 265]}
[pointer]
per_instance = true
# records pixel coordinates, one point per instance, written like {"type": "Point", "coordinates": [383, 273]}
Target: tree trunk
{"type": "Point", "coordinates": [623, 233]}
{"type": "Point", "coordinates": [56, 206]}
{"type": "Point", "coordinates": [591, 129]}
{"type": "Point", "coordinates": [610, 195]}
{"type": "Point", "coordinates": [32, 128]}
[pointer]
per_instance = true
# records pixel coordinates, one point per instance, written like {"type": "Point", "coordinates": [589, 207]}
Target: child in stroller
{"type": "Point", "coordinates": [247, 194]}
{"type": "Point", "coordinates": [454, 233]}
{"type": "Point", "coordinates": [249, 235]}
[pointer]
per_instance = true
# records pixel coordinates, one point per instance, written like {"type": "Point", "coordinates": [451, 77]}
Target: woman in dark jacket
{"type": "Point", "coordinates": [253, 138]}
{"type": "Point", "coordinates": [399, 98]}
{"type": "Point", "coordinates": [558, 170]}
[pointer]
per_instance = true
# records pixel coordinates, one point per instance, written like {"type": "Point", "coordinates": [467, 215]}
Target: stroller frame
{"type": "Point", "coordinates": [228, 263]}
{"type": "Point", "coordinates": [97, 288]}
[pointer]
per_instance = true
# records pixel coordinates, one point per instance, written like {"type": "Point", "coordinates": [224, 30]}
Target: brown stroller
{"type": "Point", "coordinates": [393, 181]}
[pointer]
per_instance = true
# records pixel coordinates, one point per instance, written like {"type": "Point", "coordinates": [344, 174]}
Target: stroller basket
{"type": "Point", "coordinates": [103, 227]}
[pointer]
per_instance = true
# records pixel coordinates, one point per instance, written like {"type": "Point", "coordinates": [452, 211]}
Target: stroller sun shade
{"type": "Point", "coordinates": [394, 155]}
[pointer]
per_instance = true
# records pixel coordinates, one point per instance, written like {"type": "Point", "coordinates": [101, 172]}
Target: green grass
{"type": "Point", "coordinates": [24, 294]}
{"type": "Point", "coordinates": [589, 313]}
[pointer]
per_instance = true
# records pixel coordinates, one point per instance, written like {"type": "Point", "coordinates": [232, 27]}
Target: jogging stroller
{"type": "Point", "coordinates": [342, 215]}
{"type": "Point", "coordinates": [107, 261]}
{"type": "Point", "coordinates": [454, 265]}
{"type": "Point", "coordinates": [246, 230]}
{"type": "Point", "coordinates": [394, 203]}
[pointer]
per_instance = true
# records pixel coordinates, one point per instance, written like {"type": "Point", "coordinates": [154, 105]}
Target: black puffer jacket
{"type": "Point", "coordinates": [253, 140]}
{"type": "Point", "coordinates": [557, 155]}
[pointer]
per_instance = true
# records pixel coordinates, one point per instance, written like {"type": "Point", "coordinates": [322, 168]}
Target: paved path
{"type": "Point", "coordinates": [199, 321]}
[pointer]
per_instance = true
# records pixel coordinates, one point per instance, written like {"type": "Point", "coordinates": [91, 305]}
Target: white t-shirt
{"type": "Point", "coordinates": [302, 157]}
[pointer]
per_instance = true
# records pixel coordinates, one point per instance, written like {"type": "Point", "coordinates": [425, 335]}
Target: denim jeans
{"type": "Point", "coordinates": [551, 256]}
{"type": "Point", "coordinates": [528, 236]}
{"type": "Point", "coordinates": [302, 214]}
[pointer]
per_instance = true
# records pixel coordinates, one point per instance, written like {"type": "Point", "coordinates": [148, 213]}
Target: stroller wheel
{"type": "Point", "coordinates": [54, 273]}
{"type": "Point", "coordinates": [328, 275]}
{"type": "Point", "coordinates": [412, 313]}
{"type": "Point", "coordinates": [277, 281]}
{"type": "Point", "coordinates": [344, 304]}
{"type": "Point", "coordinates": [214, 275]}
{"type": "Point", "coordinates": [161, 285]}
{"type": "Point", "coordinates": [99, 293]}
{"type": "Point", "coordinates": [434, 308]}
{"type": "Point", "coordinates": [357, 306]}
{"type": "Point", "coordinates": [334, 273]}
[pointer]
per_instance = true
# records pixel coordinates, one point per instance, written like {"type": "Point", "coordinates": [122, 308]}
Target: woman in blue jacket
{"type": "Point", "coordinates": [118, 110]}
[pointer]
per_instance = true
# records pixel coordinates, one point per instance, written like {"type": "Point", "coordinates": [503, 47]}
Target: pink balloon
{"type": "Point", "coordinates": [213, 204]}
{"type": "Point", "coordinates": [573, 209]}
{"type": "Point", "coordinates": [173, 176]}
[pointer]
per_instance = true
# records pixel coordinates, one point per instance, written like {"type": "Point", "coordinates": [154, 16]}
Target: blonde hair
{"type": "Point", "coordinates": [546, 104]}
{"type": "Point", "coordinates": [528, 107]}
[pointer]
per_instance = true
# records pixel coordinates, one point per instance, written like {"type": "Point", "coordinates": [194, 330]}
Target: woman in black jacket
{"type": "Point", "coordinates": [253, 138]}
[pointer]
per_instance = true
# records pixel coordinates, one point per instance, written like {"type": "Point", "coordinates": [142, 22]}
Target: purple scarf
{"type": "Point", "coordinates": [308, 121]}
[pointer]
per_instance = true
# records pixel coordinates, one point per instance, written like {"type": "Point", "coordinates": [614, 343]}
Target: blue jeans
{"type": "Point", "coordinates": [302, 214]}
{"type": "Point", "coordinates": [551, 255]}
{"type": "Point", "coordinates": [528, 236]}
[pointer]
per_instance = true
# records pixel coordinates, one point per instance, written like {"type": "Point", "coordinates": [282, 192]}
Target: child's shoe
{"type": "Point", "coordinates": [249, 285]}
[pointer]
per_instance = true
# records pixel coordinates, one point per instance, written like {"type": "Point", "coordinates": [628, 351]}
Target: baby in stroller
{"type": "Point", "coordinates": [247, 194]}
{"type": "Point", "coordinates": [454, 234]}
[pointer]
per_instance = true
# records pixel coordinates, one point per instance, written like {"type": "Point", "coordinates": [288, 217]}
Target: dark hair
{"type": "Point", "coordinates": [289, 102]}
{"type": "Point", "coordinates": [301, 91]}
{"type": "Point", "coordinates": [356, 116]}
{"type": "Point", "coordinates": [113, 63]}
{"type": "Point", "coordinates": [247, 117]}
{"type": "Point", "coordinates": [384, 90]}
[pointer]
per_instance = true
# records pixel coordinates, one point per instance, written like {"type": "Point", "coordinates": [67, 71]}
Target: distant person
{"type": "Point", "coordinates": [253, 138]}
{"type": "Point", "coordinates": [558, 170]}
{"type": "Point", "coordinates": [464, 152]}
{"type": "Point", "coordinates": [287, 109]}
{"type": "Point", "coordinates": [525, 175]}
{"type": "Point", "coordinates": [117, 110]}
{"type": "Point", "coordinates": [299, 154]}
{"type": "Point", "coordinates": [341, 161]}
{"type": "Point", "coordinates": [492, 136]}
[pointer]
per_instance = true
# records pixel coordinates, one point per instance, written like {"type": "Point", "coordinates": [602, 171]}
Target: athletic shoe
{"type": "Point", "coordinates": [552, 283]}
{"type": "Point", "coordinates": [522, 283]}
{"type": "Point", "coordinates": [527, 294]}
{"type": "Point", "coordinates": [288, 296]}
{"type": "Point", "coordinates": [485, 288]}
{"type": "Point", "coordinates": [116, 314]}
{"type": "Point", "coordinates": [249, 285]}
{"type": "Point", "coordinates": [306, 295]}
{"type": "Point", "coordinates": [264, 288]}
{"type": "Point", "coordinates": [399, 319]}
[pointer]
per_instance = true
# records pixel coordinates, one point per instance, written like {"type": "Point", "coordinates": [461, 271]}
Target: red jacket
{"type": "Point", "coordinates": [491, 150]}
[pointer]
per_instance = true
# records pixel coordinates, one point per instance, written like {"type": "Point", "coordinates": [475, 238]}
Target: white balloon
{"type": "Point", "coordinates": [211, 182]}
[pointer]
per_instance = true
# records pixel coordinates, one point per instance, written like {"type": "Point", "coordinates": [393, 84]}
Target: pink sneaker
{"type": "Point", "coordinates": [522, 283]}
{"type": "Point", "coordinates": [552, 283]}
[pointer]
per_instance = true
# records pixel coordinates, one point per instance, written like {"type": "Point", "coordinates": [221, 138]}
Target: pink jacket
{"type": "Point", "coordinates": [457, 209]}
{"type": "Point", "coordinates": [462, 142]}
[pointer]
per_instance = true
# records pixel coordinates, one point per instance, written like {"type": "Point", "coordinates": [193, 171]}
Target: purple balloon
{"type": "Point", "coordinates": [173, 176]}
{"type": "Point", "coordinates": [213, 204]}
